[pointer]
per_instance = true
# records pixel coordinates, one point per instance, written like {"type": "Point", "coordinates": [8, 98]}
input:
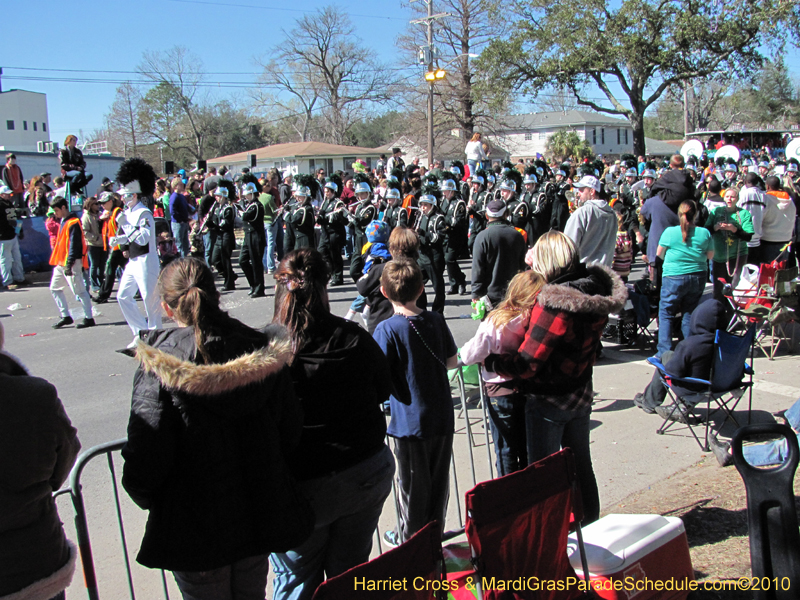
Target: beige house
{"type": "Point", "coordinates": [299, 157]}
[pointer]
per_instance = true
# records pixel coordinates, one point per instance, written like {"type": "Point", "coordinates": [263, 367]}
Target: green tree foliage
{"type": "Point", "coordinates": [565, 144]}
{"type": "Point", "coordinates": [641, 47]}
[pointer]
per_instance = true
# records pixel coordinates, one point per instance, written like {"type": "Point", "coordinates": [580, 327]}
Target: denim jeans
{"type": "Point", "coordinates": [208, 242]}
{"type": "Point", "coordinates": [97, 266]}
{"type": "Point", "coordinates": [775, 452]}
{"type": "Point", "coordinates": [507, 420]}
{"type": "Point", "coordinates": [679, 294]}
{"type": "Point", "coordinates": [245, 579]}
{"type": "Point", "coordinates": [269, 251]}
{"type": "Point", "coordinates": [180, 231]}
{"type": "Point", "coordinates": [347, 506]}
{"type": "Point", "coordinates": [11, 262]}
{"type": "Point", "coordinates": [549, 429]}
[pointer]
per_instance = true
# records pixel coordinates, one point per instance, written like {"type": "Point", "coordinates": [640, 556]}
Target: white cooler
{"type": "Point", "coordinates": [645, 557]}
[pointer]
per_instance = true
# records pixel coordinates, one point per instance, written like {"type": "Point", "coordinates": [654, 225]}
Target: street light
{"type": "Point", "coordinates": [436, 75]}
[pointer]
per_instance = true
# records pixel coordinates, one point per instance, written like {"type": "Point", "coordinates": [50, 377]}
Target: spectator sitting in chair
{"type": "Point", "coordinates": [692, 357]}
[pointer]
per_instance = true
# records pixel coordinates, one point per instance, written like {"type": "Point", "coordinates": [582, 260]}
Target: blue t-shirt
{"type": "Point", "coordinates": [178, 208]}
{"type": "Point", "coordinates": [685, 258]}
{"type": "Point", "coordinates": [422, 406]}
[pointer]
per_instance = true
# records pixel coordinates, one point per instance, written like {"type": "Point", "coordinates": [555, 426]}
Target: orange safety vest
{"type": "Point", "coordinates": [110, 228]}
{"type": "Point", "coordinates": [61, 249]}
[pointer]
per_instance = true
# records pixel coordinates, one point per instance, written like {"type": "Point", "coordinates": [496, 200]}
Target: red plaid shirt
{"type": "Point", "coordinates": [556, 357]}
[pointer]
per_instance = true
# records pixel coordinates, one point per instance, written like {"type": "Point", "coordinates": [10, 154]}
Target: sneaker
{"type": "Point", "coordinates": [391, 538]}
{"type": "Point", "coordinates": [63, 322]}
{"type": "Point", "coordinates": [638, 400]}
{"type": "Point", "coordinates": [86, 323]}
{"type": "Point", "coordinates": [678, 415]}
{"type": "Point", "coordinates": [722, 450]}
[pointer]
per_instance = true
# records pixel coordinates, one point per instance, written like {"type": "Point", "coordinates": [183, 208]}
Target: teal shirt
{"type": "Point", "coordinates": [726, 245]}
{"type": "Point", "coordinates": [685, 258]}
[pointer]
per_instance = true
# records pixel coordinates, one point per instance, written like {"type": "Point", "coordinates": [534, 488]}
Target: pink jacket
{"type": "Point", "coordinates": [491, 340]}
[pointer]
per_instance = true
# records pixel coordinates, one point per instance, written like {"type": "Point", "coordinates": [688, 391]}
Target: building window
{"type": "Point", "coordinates": [594, 136]}
{"type": "Point", "coordinates": [603, 136]}
{"type": "Point", "coordinates": [626, 137]}
{"type": "Point", "coordinates": [10, 125]}
{"type": "Point", "coordinates": [528, 137]}
{"type": "Point", "coordinates": [34, 125]}
{"type": "Point", "coordinates": [619, 136]}
{"type": "Point", "coordinates": [348, 161]}
{"type": "Point", "coordinates": [25, 126]}
{"type": "Point", "coordinates": [44, 126]}
{"type": "Point", "coordinates": [542, 136]}
{"type": "Point", "coordinates": [312, 166]}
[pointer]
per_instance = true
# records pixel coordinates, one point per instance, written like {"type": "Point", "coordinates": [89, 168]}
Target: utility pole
{"type": "Point", "coordinates": [685, 110]}
{"type": "Point", "coordinates": [429, 55]}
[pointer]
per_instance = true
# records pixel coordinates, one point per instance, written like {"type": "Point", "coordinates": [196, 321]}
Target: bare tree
{"type": "Point", "coordinates": [322, 66]}
{"type": "Point", "coordinates": [467, 31]}
{"type": "Point", "coordinates": [300, 94]}
{"type": "Point", "coordinates": [559, 99]}
{"type": "Point", "coordinates": [179, 73]}
{"type": "Point", "coordinates": [122, 122]}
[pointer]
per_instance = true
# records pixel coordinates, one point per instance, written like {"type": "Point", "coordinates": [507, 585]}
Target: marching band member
{"type": "Point", "coordinates": [332, 219]}
{"type": "Point", "coordinates": [431, 232]}
{"type": "Point", "coordinates": [255, 240]}
{"type": "Point", "coordinates": [456, 224]}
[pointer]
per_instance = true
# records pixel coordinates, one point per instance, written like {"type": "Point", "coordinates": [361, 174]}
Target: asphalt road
{"type": "Point", "coordinates": [94, 383]}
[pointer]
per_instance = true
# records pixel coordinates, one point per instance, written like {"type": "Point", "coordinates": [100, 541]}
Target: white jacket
{"type": "Point", "coordinates": [474, 151]}
{"type": "Point", "coordinates": [779, 217]}
{"type": "Point", "coordinates": [753, 200]}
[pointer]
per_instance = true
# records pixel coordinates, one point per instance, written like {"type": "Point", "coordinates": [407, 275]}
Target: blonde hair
{"type": "Point", "coordinates": [554, 255]}
{"type": "Point", "coordinates": [476, 137]}
{"type": "Point", "coordinates": [733, 190]}
{"type": "Point", "coordinates": [70, 138]}
{"type": "Point", "coordinates": [520, 298]}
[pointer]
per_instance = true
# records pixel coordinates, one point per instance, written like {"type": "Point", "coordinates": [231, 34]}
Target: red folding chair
{"type": "Point", "coordinates": [517, 528]}
{"type": "Point", "coordinates": [412, 571]}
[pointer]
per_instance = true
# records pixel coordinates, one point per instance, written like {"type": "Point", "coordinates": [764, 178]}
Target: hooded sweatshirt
{"type": "Point", "coordinates": [779, 216]}
{"type": "Point", "coordinates": [341, 378]}
{"type": "Point", "coordinates": [693, 356]}
{"type": "Point", "coordinates": [674, 186]}
{"type": "Point", "coordinates": [207, 447]}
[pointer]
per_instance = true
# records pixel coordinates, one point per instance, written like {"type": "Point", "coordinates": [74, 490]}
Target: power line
{"type": "Point", "coordinates": [305, 12]}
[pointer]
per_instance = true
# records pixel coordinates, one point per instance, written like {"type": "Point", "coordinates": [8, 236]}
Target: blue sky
{"type": "Point", "coordinates": [111, 35]}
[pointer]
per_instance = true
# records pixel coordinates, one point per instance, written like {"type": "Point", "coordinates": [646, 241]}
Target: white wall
{"type": "Point", "coordinates": [23, 108]}
{"type": "Point", "coordinates": [517, 144]}
{"type": "Point", "coordinates": [35, 163]}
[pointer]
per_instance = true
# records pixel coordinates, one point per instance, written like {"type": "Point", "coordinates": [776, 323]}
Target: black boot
{"type": "Point", "coordinates": [86, 323]}
{"type": "Point", "coordinates": [63, 322]}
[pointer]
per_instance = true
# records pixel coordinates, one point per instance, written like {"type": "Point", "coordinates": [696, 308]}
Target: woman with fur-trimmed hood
{"type": "Point", "coordinates": [38, 446]}
{"type": "Point", "coordinates": [554, 364]}
{"type": "Point", "coordinates": [213, 422]}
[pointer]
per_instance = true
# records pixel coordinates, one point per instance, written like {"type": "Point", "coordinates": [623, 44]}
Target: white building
{"type": "Point", "coordinates": [525, 136]}
{"type": "Point", "coordinates": [23, 120]}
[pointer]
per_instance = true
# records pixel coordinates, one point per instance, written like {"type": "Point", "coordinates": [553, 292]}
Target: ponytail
{"type": "Point", "coordinates": [300, 293]}
{"type": "Point", "coordinates": [687, 211]}
{"type": "Point", "coordinates": [187, 287]}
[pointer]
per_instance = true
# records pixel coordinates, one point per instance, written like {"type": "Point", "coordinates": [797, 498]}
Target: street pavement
{"type": "Point", "coordinates": [94, 382]}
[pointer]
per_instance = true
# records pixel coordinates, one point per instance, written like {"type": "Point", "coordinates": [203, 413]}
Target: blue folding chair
{"type": "Point", "coordinates": [725, 388]}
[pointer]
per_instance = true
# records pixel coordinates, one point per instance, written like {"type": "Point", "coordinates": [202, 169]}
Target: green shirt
{"type": "Point", "coordinates": [269, 207]}
{"type": "Point", "coordinates": [685, 258]}
{"type": "Point", "coordinates": [728, 245]}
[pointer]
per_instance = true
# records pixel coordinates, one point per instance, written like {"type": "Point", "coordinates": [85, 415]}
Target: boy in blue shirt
{"type": "Point", "coordinates": [420, 349]}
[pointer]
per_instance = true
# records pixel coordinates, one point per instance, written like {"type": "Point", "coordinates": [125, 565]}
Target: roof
{"type": "Point", "coordinates": [546, 120]}
{"type": "Point", "coordinates": [446, 147]}
{"type": "Point", "coordinates": [296, 150]}
{"type": "Point", "coordinates": [659, 147]}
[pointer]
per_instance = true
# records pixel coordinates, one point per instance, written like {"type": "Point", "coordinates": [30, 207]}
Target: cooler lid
{"type": "Point", "coordinates": [617, 541]}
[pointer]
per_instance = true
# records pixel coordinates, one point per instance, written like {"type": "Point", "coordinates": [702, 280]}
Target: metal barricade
{"type": "Point", "coordinates": [81, 525]}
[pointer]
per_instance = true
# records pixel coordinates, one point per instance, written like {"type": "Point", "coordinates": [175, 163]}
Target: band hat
{"type": "Point", "coordinates": [791, 168]}
{"type": "Point", "coordinates": [455, 170]}
{"type": "Point", "coordinates": [495, 208]}
{"type": "Point", "coordinates": [631, 173]}
{"type": "Point", "coordinates": [332, 186]}
{"type": "Point", "coordinates": [106, 197]}
{"type": "Point", "coordinates": [132, 187]}
{"type": "Point", "coordinates": [478, 179]}
{"type": "Point", "coordinates": [221, 191]}
{"type": "Point", "coordinates": [427, 198]}
{"type": "Point", "coordinates": [362, 187]}
{"type": "Point", "coordinates": [730, 168]}
{"type": "Point", "coordinates": [530, 178]}
{"type": "Point", "coordinates": [508, 185]}
{"type": "Point", "coordinates": [561, 172]}
{"type": "Point", "coordinates": [448, 185]}
{"type": "Point", "coordinates": [649, 173]}
{"type": "Point", "coordinates": [249, 188]}
{"type": "Point", "coordinates": [45, 174]}
{"type": "Point", "coordinates": [691, 168]}
{"type": "Point", "coordinates": [393, 193]}
{"type": "Point", "coordinates": [4, 189]}
{"type": "Point", "coordinates": [392, 178]}
{"type": "Point", "coordinates": [764, 164]}
{"type": "Point", "coordinates": [302, 191]}
{"type": "Point", "coordinates": [588, 181]}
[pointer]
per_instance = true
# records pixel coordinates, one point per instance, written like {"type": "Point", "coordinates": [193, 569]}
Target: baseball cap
{"type": "Point", "coordinates": [590, 182]}
{"type": "Point", "coordinates": [495, 208]}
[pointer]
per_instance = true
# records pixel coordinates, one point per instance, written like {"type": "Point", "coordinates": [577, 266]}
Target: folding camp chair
{"type": "Point", "coordinates": [725, 387]}
{"type": "Point", "coordinates": [517, 528]}
{"type": "Point", "coordinates": [418, 562]}
{"type": "Point", "coordinates": [645, 308]}
{"type": "Point", "coordinates": [766, 297]}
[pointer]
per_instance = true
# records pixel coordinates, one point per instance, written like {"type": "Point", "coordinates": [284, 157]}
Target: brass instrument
{"type": "Point", "coordinates": [415, 219]}
{"type": "Point", "coordinates": [541, 201]}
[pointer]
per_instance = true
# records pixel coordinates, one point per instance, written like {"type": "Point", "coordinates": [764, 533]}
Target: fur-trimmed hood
{"type": "Point", "coordinates": [593, 289]}
{"type": "Point", "coordinates": [172, 363]}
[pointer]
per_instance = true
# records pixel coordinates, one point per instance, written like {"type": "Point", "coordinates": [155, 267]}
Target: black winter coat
{"type": "Point", "coordinates": [207, 447]}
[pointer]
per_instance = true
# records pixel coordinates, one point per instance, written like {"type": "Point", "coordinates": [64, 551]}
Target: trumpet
{"type": "Point", "coordinates": [414, 219]}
